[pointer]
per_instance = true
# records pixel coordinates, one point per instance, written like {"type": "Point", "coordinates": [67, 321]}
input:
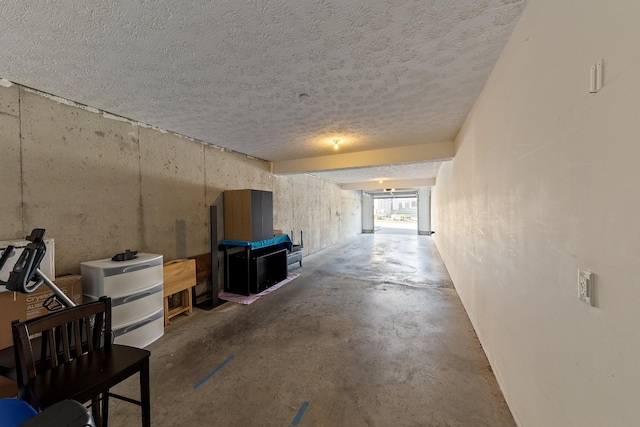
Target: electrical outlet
{"type": "Point", "coordinates": [585, 287]}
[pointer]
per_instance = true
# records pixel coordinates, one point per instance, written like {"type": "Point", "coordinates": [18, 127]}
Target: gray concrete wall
{"type": "Point", "coordinates": [10, 170]}
{"type": "Point", "coordinates": [321, 210]}
{"type": "Point", "coordinates": [99, 184]}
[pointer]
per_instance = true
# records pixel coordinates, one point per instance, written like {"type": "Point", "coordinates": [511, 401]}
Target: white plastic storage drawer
{"type": "Point", "coordinates": [141, 333]}
{"type": "Point", "coordinates": [132, 281]}
{"type": "Point", "coordinates": [143, 303]}
{"type": "Point", "coordinates": [118, 278]}
{"type": "Point", "coordinates": [136, 289]}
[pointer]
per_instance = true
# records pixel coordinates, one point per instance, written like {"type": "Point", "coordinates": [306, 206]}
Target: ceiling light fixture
{"type": "Point", "coordinates": [335, 144]}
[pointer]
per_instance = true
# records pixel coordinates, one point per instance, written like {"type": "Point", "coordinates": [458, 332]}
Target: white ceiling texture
{"type": "Point", "coordinates": [279, 80]}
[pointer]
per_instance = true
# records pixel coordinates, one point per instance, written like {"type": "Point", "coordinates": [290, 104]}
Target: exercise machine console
{"type": "Point", "coordinates": [26, 276]}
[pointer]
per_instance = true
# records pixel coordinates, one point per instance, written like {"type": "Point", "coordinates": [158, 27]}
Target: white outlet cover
{"type": "Point", "coordinates": [585, 287]}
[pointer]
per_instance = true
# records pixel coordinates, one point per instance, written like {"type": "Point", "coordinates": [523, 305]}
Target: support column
{"type": "Point", "coordinates": [367, 213]}
{"type": "Point", "coordinates": [424, 211]}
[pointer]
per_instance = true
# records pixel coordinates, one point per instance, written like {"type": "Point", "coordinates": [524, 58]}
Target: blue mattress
{"type": "Point", "coordinates": [282, 238]}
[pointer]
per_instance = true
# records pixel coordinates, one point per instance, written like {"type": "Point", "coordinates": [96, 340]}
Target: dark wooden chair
{"type": "Point", "coordinates": [77, 360]}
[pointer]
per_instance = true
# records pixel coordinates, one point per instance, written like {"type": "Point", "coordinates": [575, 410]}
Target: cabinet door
{"type": "Point", "coordinates": [267, 215]}
{"type": "Point", "coordinates": [261, 215]}
{"type": "Point", "coordinates": [248, 215]}
{"type": "Point", "coordinates": [237, 215]}
{"type": "Point", "coordinates": [256, 215]}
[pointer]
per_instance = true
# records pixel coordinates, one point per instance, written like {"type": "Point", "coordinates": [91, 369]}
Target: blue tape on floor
{"type": "Point", "coordinates": [210, 374]}
{"type": "Point", "coordinates": [303, 408]}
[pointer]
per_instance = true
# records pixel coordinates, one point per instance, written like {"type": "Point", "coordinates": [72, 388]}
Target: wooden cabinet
{"type": "Point", "coordinates": [248, 215]}
{"type": "Point", "coordinates": [248, 218]}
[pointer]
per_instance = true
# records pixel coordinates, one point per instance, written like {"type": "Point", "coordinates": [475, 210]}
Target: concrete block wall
{"type": "Point", "coordinates": [325, 213]}
{"type": "Point", "coordinates": [10, 171]}
{"type": "Point", "coordinates": [100, 184]}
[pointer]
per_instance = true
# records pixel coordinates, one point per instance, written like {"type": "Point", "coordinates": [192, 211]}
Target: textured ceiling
{"type": "Point", "coordinates": [274, 79]}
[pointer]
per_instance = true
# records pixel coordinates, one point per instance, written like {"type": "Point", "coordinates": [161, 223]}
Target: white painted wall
{"type": "Point", "coordinates": [545, 181]}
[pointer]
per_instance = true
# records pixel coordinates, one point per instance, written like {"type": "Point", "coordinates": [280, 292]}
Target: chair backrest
{"type": "Point", "coordinates": [61, 337]}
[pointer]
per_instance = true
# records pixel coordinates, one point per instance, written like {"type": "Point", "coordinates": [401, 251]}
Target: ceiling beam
{"type": "Point", "coordinates": [391, 183]}
{"type": "Point", "coordinates": [436, 151]}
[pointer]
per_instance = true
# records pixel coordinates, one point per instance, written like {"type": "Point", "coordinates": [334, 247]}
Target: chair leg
{"type": "Point", "coordinates": [105, 408]}
{"type": "Point", "coordinates": [95, 410]}
{"type": "Point", "coordinates": [145, 395]}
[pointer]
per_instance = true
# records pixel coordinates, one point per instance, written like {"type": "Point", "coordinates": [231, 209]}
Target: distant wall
{"type": "Point", "coordinates": [99, 184]}
{"type": "Point", "coordinates": [325, 213]}
{"type": "Point", "coordinates": [546, 181]}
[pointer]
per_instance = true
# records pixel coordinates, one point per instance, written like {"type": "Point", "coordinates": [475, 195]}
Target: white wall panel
{"type": "Point", "coordinates": [545, 181]}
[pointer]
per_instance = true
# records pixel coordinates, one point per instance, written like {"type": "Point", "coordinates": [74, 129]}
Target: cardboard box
{"type": "Point", "coordinates": [8, 388]}
{"type": "Point", "coordinates": [17, 306]}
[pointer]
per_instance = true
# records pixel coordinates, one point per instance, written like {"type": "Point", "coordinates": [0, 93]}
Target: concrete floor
{"type": "Point", "coordinates": [372, 333]}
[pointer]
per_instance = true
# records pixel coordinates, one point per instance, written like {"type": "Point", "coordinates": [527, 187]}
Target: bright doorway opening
{"type": "Point", "coordinates": [395, 214]}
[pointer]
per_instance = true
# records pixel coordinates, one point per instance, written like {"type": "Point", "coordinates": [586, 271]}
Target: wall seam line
{"type": "Point", "coordinates": [204, 173]}
{"type": "Point", "coordinates": [141, 236]}
{"type": "Point", "coordinates": [22, 219]}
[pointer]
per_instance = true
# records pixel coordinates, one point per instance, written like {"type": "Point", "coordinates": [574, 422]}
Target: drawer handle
{"type": "Point", "coordinates": [136, 326]}
{"type": "Point", "coordinates": [135, 268]}
{"type": "Point", "coordinates": [133, 297]}
{"type": "Point", "coordinates": [141, 324]}
{"type": "Point", "coordinates": [137, 296]}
